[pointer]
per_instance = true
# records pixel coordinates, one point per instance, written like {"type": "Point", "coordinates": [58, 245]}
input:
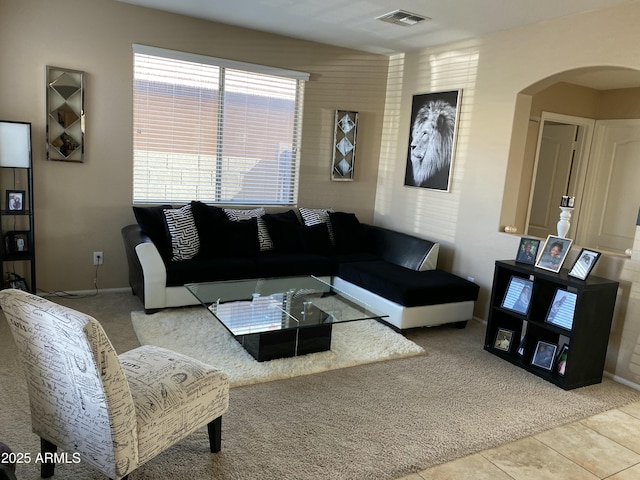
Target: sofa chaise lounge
{"type": "Point", "coordinates": [392, 271]}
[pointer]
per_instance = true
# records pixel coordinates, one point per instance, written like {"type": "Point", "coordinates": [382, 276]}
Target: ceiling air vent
{"type": "Point", "coordinates": [402, 17]}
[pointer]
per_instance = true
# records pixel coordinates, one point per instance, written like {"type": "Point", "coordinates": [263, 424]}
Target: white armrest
{"type": "Point", "coordinates": [155, 275]}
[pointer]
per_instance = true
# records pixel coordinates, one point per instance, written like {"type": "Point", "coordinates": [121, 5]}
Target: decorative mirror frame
{"type": "Point", "coordinates": [344, 146]}
{"type": "Point", "coordinates": [65, 114]}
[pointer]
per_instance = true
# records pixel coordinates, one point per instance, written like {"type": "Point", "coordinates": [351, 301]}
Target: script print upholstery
{"type": "Point", "coordinates": [117, 412]}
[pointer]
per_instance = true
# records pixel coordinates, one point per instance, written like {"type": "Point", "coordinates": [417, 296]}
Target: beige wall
{"type": "Point", "coordinates": [80, 208]}
{"type": "Point", "coordinates": [492, 71]}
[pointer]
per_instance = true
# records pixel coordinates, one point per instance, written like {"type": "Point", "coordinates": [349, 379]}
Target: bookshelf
{"type": "Point", "coordinates": [524, 336]}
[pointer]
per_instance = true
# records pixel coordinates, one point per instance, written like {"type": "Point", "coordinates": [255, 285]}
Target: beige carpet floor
{"type": "Point", "coordinates": [376, 421]}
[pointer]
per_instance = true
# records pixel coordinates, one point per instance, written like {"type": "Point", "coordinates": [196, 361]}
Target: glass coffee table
{"type": "Point", "coordinates": [280, 317]}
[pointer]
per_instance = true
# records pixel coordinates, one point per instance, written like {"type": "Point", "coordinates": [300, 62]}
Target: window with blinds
{"type": "Point", "coordinates": [214, 130]}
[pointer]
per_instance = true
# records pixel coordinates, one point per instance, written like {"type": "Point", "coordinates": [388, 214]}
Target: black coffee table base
{"type": "Point", "coordinates": [267, 346]}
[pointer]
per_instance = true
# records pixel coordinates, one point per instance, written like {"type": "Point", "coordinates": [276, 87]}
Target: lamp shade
{"type": "Point", "coordinates": [15, 144]}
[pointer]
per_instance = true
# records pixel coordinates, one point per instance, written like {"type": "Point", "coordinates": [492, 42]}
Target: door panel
{"type": "Point", "coordinates": [553, 170]}
{"type": "Point", "coordinates": [615, 185]}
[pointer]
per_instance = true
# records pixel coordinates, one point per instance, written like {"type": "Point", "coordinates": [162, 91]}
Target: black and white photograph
{"type": "Point", "coordinates": [518, 295]}
{"type": "Point", "coordinates": [528, 251]}
{"type": "Point", "coordinates": [15, 201]}
{"type": "Point", "coordinates": [544, 355]}
{"type": "Point", "coordinates": [17, 242]}
{"type": "Point", "coordinates": [562, 309]}
{"type": "Point", "coordinates": [554, 252]}
{"type": "Point", "coordinates": [584, 264]}
{"type": "Point", "coordinates": [503, 339]}
{"type": "Point", "coordinates": [434, 118]}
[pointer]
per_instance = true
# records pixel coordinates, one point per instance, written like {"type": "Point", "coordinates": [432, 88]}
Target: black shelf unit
{"type": "Point", "coordinates": [17, 248]}
{"type": "Point", "coordinates": [587, 339]}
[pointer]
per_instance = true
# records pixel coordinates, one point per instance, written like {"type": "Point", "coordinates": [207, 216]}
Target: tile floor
{"type": "Point", "coordinates": [605, 446]}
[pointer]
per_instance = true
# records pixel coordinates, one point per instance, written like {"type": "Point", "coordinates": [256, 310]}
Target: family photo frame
{"type": "Point", "coordinates": [554, 252]}
{"type": "Point", "coordinates": [562, 309]}
{"type": "Point", "coordinates": [517, 298]}
{"type": "Point", "coordinates": [528, 251]}
{"type": "Point", "coordinates": [432, 139]}
{"type": "Point", "coordinates": [17, 242]}
{"type": "Point", "coordinates": [583, 265]}
{"type": "Point", "coordinates": [503, 339]}
{"type": "Point", "coordinates": [15, 201]}
{"type": "Point", "coordinates": [544, 355]}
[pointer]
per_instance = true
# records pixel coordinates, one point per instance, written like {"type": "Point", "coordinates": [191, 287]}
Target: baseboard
{"type": "Point", "coordinates": [623, 381]}
{"type": "Point", "coordinates": [85, 292]}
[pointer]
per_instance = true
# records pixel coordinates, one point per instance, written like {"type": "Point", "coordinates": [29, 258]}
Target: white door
{"type": "Point", "coordinates": [555, 155]}
{"type": "Point", "coordinates": [614, 185]}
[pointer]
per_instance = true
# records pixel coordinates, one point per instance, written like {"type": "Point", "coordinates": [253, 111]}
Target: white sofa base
{"type": "Point", "coordinates": [403, 317]}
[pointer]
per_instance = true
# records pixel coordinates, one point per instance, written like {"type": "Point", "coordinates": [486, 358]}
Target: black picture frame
{"type": "Point", "coordinates": [528, 251]}
{"type": "Point", "coordinates": [17, 243]}
{"type": "Point", "coordinates": [517, 297]}
{"type": "Point", "coordinates": [560, 366]}
{"type": "Point", "coordinates": [562, 309]}
{"type": "Point", "coordinates": [15, 201]}
{"type": "Point", "coordinates": [554, 252]}
{"type": "Point", "coordinates": [544, 355]}
{"type": "Point", "coordinates": [431, 151]}
{"type": "Point", "coordinates": [504, 339]}
{"type": "Point", "coordinates": [585, 262]}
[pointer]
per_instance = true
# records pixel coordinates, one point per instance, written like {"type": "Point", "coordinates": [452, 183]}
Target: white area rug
{"type": "Point", "coordinates": [195, 332]}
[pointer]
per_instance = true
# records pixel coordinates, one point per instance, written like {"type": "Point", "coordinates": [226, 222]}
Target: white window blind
{"type": "Point", "coordinates": [214, 130]}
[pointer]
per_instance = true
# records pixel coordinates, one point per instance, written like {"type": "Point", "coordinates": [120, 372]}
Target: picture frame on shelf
{"type": "Point", "coordinates": [503, 339]}
{"type": "Point", "coordinates": [585, 262]}
{"type": "Point", "coordinates": [554, 253]}
{"type": "Point", "coordinates": [517, 298]}
{"type": "Point", "coordinates": [544, 355]}
{"type": "Point", "coordinates": [562, 309]}
{"type": "Point", "coordinates": [17, 242]}
{"type": "Point", "coordinates": [528, 251]}
{"type": "Point", "coordinates": [561, 362]}
{"type": "Point", "coordinates": [15, 201]}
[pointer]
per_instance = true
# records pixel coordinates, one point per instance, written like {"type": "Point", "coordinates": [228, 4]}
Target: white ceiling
{"type": "Point", "coordinates": [353, 24]}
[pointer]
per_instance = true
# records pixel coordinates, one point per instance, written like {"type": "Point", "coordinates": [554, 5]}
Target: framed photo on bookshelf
{"type": "Point", "coordinates": [584, 264]}
{"type": "Point", "coordinates": [554, 252]}
{"type": "Point", "coordinates": [562, 309]}
{"type": "Point", "coordinates": [503, 339]}
{"type": "Point", "coordinates": [15, 201]}
{"type": "Point", "coordinates": [544, 355]}
{"type": "Point", "coordinates": [528, 251]}
{"type": "Point", "coordinates": [561, 362]}
{"type": "Point", "coordinates": [518, 295]}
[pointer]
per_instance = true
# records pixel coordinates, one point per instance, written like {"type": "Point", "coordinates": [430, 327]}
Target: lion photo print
{"type": "Point", "coordinates": [432, 139]}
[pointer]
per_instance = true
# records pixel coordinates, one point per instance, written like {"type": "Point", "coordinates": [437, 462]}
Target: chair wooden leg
{"type": "Point", "coordinates": [48, 465]}
{"type": "Point", "coordinates": [215, 434]}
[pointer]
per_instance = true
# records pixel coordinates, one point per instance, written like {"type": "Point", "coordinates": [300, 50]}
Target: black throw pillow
{"type": "Point", "coordinates": [347, 232]}
{"type": "Point", "coordinates": [153, 224]}
{"type": "Point", "coordinates": [210, 222]}
{"type": "Point", "coordinates": [283, 229]}
{"type": "Point", "coordinates": [242, 237]}
{"type": "Point", "coordinates": [316, 240]}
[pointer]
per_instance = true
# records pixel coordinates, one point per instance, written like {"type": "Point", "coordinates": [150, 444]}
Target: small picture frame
{"type": "Point", "coordinates": [518, 295]}
{"type": "Point", "coordinates": [503, 339]}
{"type": "Point", "coordinates": [544, 355]}
{"type": "Point", "coordinates": [15, 201]}
{"type": "Point", "coordinates": [562, 309]}
{"type": "Point", "coordinates": [554, 252]}
{"type": "Point", "coordinates": [584, 264]}
{"type": "Point", "coordinates": [561, 362]}
{"type": "Point", "coordinates": [528, 251]}
{"type": "Point", "coordinates": [17, 243]}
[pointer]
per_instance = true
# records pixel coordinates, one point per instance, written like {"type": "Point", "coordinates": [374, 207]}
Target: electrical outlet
{"type": "Point", "coordinates": [98, 258]}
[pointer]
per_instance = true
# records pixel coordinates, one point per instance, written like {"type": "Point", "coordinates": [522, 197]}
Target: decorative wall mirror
{"type": "Point", "coordinates": [65, 114]}
{"type": "Point", "coordinates": [344, 145]}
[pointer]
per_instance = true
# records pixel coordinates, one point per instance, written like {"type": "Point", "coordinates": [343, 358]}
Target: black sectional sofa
{"type": "Point", "coordinates": [391, 271]}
